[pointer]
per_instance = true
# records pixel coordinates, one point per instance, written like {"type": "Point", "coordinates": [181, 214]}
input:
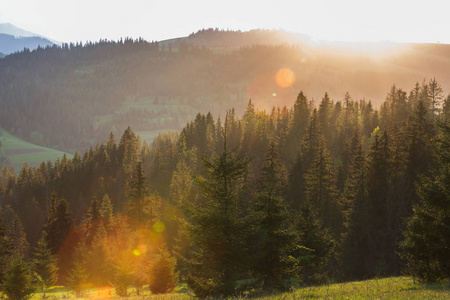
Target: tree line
{"type": "Point", "coordinates": [331, 191]}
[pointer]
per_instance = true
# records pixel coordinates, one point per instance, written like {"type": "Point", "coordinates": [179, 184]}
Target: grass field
{"type": "Point", "coordinates": [19, 151]}
{"type": "Point", "coordinates": [386, 288]}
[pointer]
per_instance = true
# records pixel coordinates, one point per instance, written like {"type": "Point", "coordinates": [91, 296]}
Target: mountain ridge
{"type": "Point", "coordinates": [13, 39]}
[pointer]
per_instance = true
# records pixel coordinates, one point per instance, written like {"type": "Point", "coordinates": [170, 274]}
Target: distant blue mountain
{"type": "Point", "coordinates": [13, 39]}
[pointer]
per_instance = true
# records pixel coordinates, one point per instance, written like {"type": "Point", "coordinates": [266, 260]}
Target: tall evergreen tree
{"type": "Point", "coordinates": [161, 275]}
{"type": "Point", "coordinates": [44, 263]}
{"type": "Point", "coordinates": [6, 249]}
{"type": "Point", "coordinates": [436, 94]}
{"type": "Point", "coordinates": [314, 246]}
{"type": "Point", "coordinates": [380, 256]}
{"type": "Point", "coordinates": [427, 241]}
{"type": "Point", "coordinates": [274, 238]}
{"type": "Point", "coordinates": [19, 283]}
{"type": "Point", "coordinates": [58, 223]}
{"type": "Point", "coordinates": [321, 191]}
{"type": "Point", "coordinates": [217, 228]}
{"type": "Point", "coordinates": [356, 215]}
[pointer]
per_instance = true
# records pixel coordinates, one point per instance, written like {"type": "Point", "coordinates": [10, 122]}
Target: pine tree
{"type": "Point", "coordinates": [380, 256]}
{"type": "Point", "coordinates": [45, 263]}
{"type": "Point", "coordinates": [58, 223]}
{"type": "Point", "coordinates": [436, 94]}
{"type": "Point", "coordinates": [142, 207]}
{"type": "Point", "coordinates": [79, 276]}
{"type": "Point", "coordinates": [297, 127]}
{"type": "Point", "coordinates": [273, 238]}
{"type": "Point", "coordinates": [314, 246]}
{"type": "Point", "coordinates": [217, 227]}
{"type": "Point", "coordinates": [162, 277]}
{"type": "Point", "coordinates": [427, 241]}
{"type": "Point", "coordinates": [6, 250]}
{"type": "Point", "coordinates": [321, 191]}
{"type": "Point", "coordinates": [20, 282]}
{"type": "Point", "coordinates": [356, 215]}
{"type": "Point", "coordinates": [91, 221]}
{"type": "Point", "coordinates": [106, 212]}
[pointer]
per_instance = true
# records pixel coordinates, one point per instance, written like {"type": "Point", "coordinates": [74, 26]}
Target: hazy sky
{"type": "Point", "coordinates": [348, 20]}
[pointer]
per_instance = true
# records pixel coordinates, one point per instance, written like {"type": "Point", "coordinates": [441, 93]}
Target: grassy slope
{"type": "Point", "coordinates": [386, 288]}
{"type": "Point", "coordinates": [11, 143]}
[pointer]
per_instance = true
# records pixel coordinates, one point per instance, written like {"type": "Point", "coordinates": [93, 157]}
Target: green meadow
{"type": "Point", "coordinates": [385, 288]}
{"type": "Point", "coordinates": [19, 151]}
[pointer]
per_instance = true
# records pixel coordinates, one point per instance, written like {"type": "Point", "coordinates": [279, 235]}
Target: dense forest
{"type": "Point", "coordinates": [70, 97]}
{"type": "Point", "coordinates": [318, 193]}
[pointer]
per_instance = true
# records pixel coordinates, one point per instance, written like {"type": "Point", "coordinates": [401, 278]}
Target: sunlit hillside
{"type": "Point", "coordinates": [76, 94]}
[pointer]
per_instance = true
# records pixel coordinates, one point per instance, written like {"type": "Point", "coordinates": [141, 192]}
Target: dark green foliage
{"type": "Point", "coordinates": [138, 207]}
{"type": "Point", "coordinates": [349, 196]}
{"type": "Point", "coordinates": [217, 228]}
{"type": "Point", "coordinates": [58, 222]}
{"type": "Point", "coordinates": [20, 282]}
{"type": "Point", "coordinates": [321, 191]}
{"type": "Point", "coordinates": [356, 215]}
{"type": "Point", "coordinates": [273, 238]}
{"type": "Point", "coordinates": [297, 127]}
{"type": "Point", "coordinates": [427, 238]}
{"type": "Point", "coordinates": [162, 276]}
{"type": "Point", "coordinates": [314, 246]}
{"type": "Point", "coordinates": [45, 263]}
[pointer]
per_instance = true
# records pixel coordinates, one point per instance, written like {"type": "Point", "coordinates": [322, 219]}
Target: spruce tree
{"type": "Point", "coordinates": [427, 237]}
{"type": "Point", "coordinates": [273, 237]}
{"type": "Point", "coordinates": [20, 282]}
{"type": "Point", "coordinates": [6, 250]}
{"type": "Point", "coordinates": [217, 227]}
{"type": "Point", "coordinates": [58, 223]}
{"type": "Point", "coordinates": [79, 274]}
{"type": "Point", "coordinates": [321, 191]}
{"type": "Point", "coordinates": [356, 215]}
{"type": "Point", "coordinates": [161, 275]}
{"type": "Point", "coordinates": [44, 263]}
{"type": "Point", "coordinates": [314, 246]}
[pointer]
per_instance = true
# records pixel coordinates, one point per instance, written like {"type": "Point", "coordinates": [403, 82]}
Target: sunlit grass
{"type": "Point", "coordinates": [386, 288]}
{"type": "Point", "coordinates": [18, 151]}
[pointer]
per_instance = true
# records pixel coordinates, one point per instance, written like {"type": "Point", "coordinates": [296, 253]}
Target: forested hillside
{"type": "Point", "coordinates": [71, 97]}
{"type": "Point", "coordinates": [326, 191]}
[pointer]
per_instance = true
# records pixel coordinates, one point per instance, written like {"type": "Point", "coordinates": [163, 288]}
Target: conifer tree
{"type": "Point", "coordinates": [380, 256]}
{"type": "Point", "coordinates": [321, 191]}
{"type": "Point", "coordinates": [297, 127]}
{"type": "Point", "coordinates": [106, 212]}
{"type": "Point", "coordinates": [58, 223]}
{"type": "Point", "coordinates": [6, 249]}
{"type": "Point", "coordinates": [19, 282]}
{"type": "Point", "coordinates": [141, 207]}
{"type": "Point", "coordinates": [427, 241]}
{"type": "Point", "coordinates": [356, 215]}
{"type": "Point", "coordinates": [78, 275]}
{"type": "Point", "coordinates": [274, 238]}
{"type": "Point", "coordinates": [435, 94]}
{"type": "Point", "coordinates": [44, 263]}
{"type": "Point", "coordinates": [161, 275]}
{"type": "Point", "coordinates": [217, 228]}
{"type": "Point", "coordinates": [314, 246]}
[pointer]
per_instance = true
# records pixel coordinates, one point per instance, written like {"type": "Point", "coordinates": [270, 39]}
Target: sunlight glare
{"type": "Point", "coordinates": [159, 227]}
{"type": "Point", "coordinates": [285, 77]}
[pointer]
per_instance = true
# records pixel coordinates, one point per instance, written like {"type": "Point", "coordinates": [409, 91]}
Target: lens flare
{"type": "Point", "coordinates": [285, 77]}
{"type": "Point", "coordinates": [159, 227]}
{"type": "Point", "coordinates": [136, 252]}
